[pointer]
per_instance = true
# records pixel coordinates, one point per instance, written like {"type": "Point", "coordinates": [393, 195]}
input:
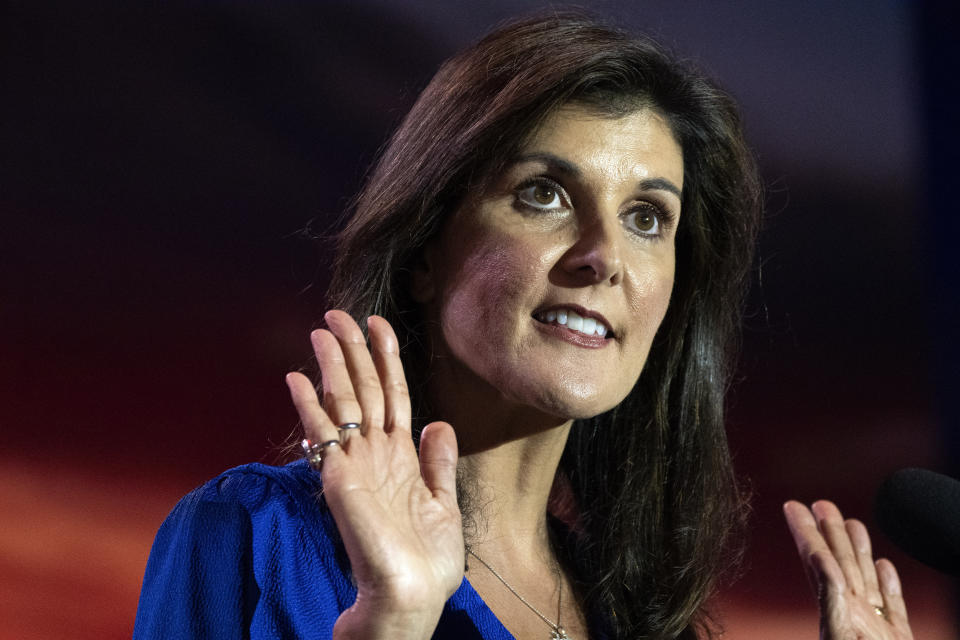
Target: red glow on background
{"type": "Point", "coordinates": [158, 165]}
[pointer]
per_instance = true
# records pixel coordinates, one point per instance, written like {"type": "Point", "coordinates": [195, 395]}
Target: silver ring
{"type": "Point", "coordinates": [314, 452]}
{"type": "Point", "coordinates": [348, 427]}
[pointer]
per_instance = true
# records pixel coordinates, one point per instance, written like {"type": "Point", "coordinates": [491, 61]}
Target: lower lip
{"type": "Point", "coordinates": [573, 337]}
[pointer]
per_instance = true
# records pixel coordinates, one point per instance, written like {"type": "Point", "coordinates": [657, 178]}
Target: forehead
{"type": "Point", "coordinates": [637, 145]}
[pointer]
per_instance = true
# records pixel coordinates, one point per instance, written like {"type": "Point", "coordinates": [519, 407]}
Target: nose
{"type": "Point", "coordinates": [595, 256]}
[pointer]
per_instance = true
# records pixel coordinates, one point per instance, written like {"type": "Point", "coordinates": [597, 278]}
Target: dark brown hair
{"type": "Point", "coordinates": [652, 477]}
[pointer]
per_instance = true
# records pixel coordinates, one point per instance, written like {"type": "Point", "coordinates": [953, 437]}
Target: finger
{"type": "Point", "coordinates": [831, 595]}
{"type": "Point", "coordinates": [860, 540]}
{"type": "Point", "coordinates": [339, 400]}
{"type": "Point", "coordinates": [316, 423]}
{"type": "Point", "coordinates": [317, 426]}
{"type": "Point", "coordinates": [834, 531]}
{"type": "Point", "coordinates": [362, 372]}
{"type": "Point", "coordinates": [809, 541]}
{"type": "Point", "coordinates": [386, 357]}
{"type": "Point", "coordinates": [892, 592]}
{"type": "Point", "coordinates": [438, 459]}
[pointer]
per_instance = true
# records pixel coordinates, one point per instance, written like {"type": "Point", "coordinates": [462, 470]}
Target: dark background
{"type": "Point", "coordinates": [160, 165]}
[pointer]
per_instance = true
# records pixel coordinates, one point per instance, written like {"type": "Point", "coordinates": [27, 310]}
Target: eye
{"type": "Point", "coordinates": [645, 220]}
{"type": "Point", "coordinates": [542, 195]}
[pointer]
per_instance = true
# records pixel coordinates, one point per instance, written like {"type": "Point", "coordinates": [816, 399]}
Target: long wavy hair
{"type": "Point", "coordinates": [652, 478]}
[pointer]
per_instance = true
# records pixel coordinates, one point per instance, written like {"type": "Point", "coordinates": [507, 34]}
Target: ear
{"type": "Point", "coordinates": [423, 276]}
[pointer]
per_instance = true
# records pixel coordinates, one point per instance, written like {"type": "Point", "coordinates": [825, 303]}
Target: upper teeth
{"type": "Point", "coordinates": [574, 321]}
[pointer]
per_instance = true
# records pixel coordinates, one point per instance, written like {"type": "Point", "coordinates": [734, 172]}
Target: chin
{"type": "Point", "coordinates": [580, 401]}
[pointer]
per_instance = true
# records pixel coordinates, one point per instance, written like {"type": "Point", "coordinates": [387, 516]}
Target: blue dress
{"type": "Point", "coordinates": [254, 554]}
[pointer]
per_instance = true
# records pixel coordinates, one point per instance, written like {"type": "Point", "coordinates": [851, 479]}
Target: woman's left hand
{"type": "Point", "coordinates": [859, 598]}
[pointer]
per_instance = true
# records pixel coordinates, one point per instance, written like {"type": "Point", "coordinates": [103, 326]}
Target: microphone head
{"type": "Point", "coordinates": [919, 510]}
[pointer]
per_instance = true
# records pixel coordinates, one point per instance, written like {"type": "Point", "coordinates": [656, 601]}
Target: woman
{"type": "Point", "coordinates": [550, 256]}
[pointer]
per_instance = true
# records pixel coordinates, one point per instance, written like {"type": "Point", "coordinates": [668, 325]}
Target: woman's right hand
{"type": "Point", "coordinates": [397, 514]}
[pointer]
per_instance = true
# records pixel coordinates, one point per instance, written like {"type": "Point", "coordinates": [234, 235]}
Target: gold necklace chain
{"type": "Point", "coordinates": [558, 632]}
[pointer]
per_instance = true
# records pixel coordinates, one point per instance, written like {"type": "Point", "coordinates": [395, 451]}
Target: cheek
{"type": "Point", "coordinates": [483, 295]}
{"type": "Point", "coordinates": [648, 304]}
{"type": "Point", "coordinates": [657, 302]}
{"type": "Point", "coordinates": [651, 296]}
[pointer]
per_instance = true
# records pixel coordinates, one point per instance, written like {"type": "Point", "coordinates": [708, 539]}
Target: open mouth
{"type": "Point", "coordinates": [575, 322]}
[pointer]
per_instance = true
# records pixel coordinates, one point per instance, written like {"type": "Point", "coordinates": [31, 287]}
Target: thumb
{"type": "Point", "coordinates": [438, 458]}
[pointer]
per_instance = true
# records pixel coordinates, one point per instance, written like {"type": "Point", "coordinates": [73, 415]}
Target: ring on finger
{"type": "Point", "coordinates": [348, 426]}
{"type": "Point", "coordinates": [314, 451]}
{"type": "Point", "coordinates": [880, 611]}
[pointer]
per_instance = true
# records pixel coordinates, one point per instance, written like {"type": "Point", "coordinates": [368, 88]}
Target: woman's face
{"type": "Point", "coordinates": [550, 284]}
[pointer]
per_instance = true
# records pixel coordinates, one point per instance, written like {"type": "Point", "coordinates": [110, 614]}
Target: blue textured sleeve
{"type": "Point", "coordinates": [251, 554]}
{"type": "Point", "coordinates": [199, 581]}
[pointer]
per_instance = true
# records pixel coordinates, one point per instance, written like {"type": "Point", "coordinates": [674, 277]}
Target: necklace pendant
{"type": "Point", "coordinates": [559, 633]}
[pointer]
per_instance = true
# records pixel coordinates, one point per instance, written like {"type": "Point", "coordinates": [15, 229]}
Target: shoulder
{"type": "Point", "coordinates": [259, 509]}
{"type": "Point", "coordinates": [259, 487]}
{"type": "Point", "coordinates": [256, 483]}
{"type": "Point", "coordinates": [241, 499]}
{"type": "Point", "coordinates": [240, 550]}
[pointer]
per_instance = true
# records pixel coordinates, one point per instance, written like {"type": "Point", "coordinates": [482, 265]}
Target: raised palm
{"type": "Point", "coordinates": [859, 599]}
{"type": "Point", "coordinates": [396, 512]}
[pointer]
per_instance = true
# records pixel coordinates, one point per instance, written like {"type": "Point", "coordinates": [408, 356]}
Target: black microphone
{"type": "Point", "coordinates": [919, 510]}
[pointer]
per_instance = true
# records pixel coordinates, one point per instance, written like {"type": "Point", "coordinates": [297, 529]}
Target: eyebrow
{"type": "Point", "coordinates": [564, 166]}
{"type": "Point", "coordinates": [554, 162]}
{"type": "Point", "coordinates": [662, 184]}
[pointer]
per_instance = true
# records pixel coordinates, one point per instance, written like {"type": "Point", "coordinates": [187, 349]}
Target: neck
{"type": "Point", "coordinates": [509, 454]}
{"type": "Point", "coordinates": [508, 487]}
